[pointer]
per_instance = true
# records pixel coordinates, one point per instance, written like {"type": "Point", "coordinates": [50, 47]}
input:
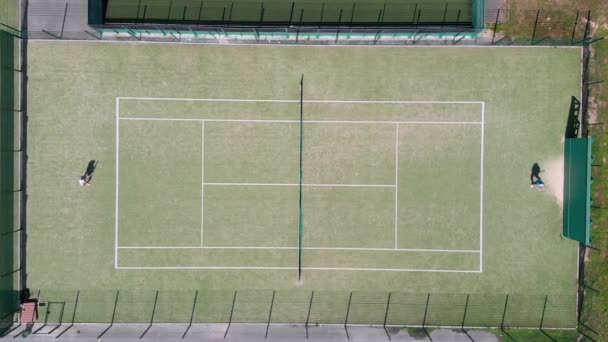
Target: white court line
{"type": "Point", "coordinates": [396, 183]}
{"type": "Point", "coordinates": [311, 121]}
{"type": "Point", "coordinates": [308, 248]}
{"type": "Point", "coordinates": [482, 123]}
{"type": "Point", "coordinates": [483, 114]}
{"type": "Point", "coordinates": [295, 101]}
{"type": "Point", "coordinates": [311, 185]}
{"type": "Point", "coordinates": [116, 190]}
{"type": "Point", "coordinates": [289, 268]}
{"type": "Point", "coordinates": [202, 182]}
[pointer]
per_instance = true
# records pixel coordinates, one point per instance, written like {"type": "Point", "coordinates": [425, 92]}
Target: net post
{"type": "Point", "coordinates": [191, 314]}
{"type": "Point", "coordinates": [231, 312]}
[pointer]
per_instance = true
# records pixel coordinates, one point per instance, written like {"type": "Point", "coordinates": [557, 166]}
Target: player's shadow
{"type": "Point", "coordinates": [91, 168]}
{"type": "Point", "coordinates": [535, 172]}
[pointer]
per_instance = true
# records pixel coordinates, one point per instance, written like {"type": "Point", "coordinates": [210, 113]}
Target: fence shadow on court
{"type": "Point", "coordinates": [307, 308]}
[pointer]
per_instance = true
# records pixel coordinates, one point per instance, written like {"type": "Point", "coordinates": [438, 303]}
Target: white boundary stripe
{"type": "Point", "coordinates": [202, 182]}
{"type": "Point", "coordinates": [483, 110]}
{"type": "Point", "coordinates": [310, 121]}
{"type": "Point", "coordinates": [312, 185]}
{"type": "Point", "coordinates": [289, 268]}
{"type": "Point", "coordinates": [307, 248]}
{"type": "Point", "coordinates": [480, 251]}
{"type": "Point", "coordinates": [116, 190]}
{"type": "Point", "coordinates": [294, 101]}
{"type": "Point", "coordinates": [396, 184]}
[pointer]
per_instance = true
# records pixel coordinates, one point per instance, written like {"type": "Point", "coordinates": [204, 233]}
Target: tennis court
{"type": "Point", "coordinates": [413, 166]}
{"type": "Point", "coordinates": [224, 174]}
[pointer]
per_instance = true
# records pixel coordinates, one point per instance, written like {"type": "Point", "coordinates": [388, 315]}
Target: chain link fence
{"type": "Point", "coordinates": [502, 26]}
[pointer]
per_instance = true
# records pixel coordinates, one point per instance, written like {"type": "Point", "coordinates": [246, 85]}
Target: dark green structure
{"type": "Point", "coordinates": [280, 13]}
{"type": "Point", "coordinates": [8, 182]}
{"type": "Point", "coordinates": [577, 189]}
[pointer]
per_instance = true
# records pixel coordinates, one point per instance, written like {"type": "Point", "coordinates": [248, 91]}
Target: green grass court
{"type": "Point", "coordinates": [415, 166]}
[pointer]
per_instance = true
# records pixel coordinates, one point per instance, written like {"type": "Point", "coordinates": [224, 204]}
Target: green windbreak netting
{"type": "Point", "coordinates": [277, 12]}
{"type": "Point", "coordinates": [8, 297]}
{"type": "Point", "coordinates": [577, 189]}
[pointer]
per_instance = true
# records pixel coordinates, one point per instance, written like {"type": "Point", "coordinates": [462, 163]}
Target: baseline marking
{"type": "Point", "coordinates": [289, 268]}
{"type": "Point", "coordinates": [311, 121]}
{"type": "Point", "coordinates": [396, 183]}
{"type": "Point", "coordinates": [294, 101]}
{"type": "Point", "coordinates": [116, 190]}
{"type": "Point", "coordinates": [308, 248]}
{"type": "Point", "coordinates": [312, 185]}
{"type": "Point", "coordinates": [202, 182]}
{"type": "Point", "coordinates": [483, 113]}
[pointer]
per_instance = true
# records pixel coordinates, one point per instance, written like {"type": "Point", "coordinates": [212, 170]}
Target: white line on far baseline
{"type": "Point", "coordinates": [308, 248]}
{"type": "Point", "coordinates": [295, 101]}
{"type": "Point", "coordinates": [289, 268]}
{"type": "Point", "coordinates": [310, 121]}
{"type": "Point", "coordinates": [311, 185]}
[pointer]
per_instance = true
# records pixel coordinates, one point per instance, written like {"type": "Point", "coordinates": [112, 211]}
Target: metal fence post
{"type": "Point", "coordinates": [495, 26]}
{"type": "Point", "coordinates": [169, 12]}
{"type": "Point", "coordinates": [191, 314]}
{"type": "Point", "coordinates": [350, 298]}
{"type": "Point", "coordinates": [574, 28]}
{"type": "Point", "coordinates": [312, 296]}
{"type": "Point", "coordinates": [414, 14]}
{"type": "Point", "coordinates": [270, 313]}
{"type": "Point", "coordinates": [231, 312]}
{"type": "Point", "coordinates": [388, 303]}
{"type": "Point", "coordinates": [73, 315]}
{"type": "Point", "coordinates": [464, 315]}
{"type": "Point", "coordinates": [542, 317]}
{"type": "Point", "coordinates": [113, 315]}
{"type": "Point", "coordinates": [534, 30]}
{"type": "Point", "coordinates": [426, 310]}
{"type": "Point", "coordinates": [152, 317]}
{"type": "Point", "coordinates": [65, 14]}
{"type": "Point", "coordinates": [200, 11]}
{"type": "Point", "coordinates": [504, 313]}
{"type": "Point", "coordinates": [291, 12]}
